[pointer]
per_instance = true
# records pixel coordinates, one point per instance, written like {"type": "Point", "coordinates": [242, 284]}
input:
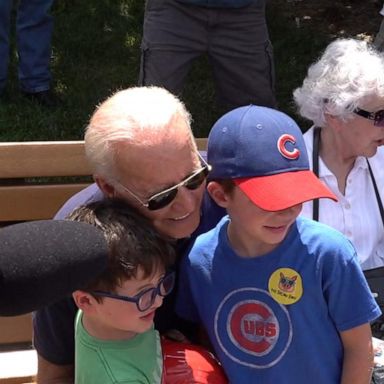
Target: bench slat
{"type": "Point", "coordinates": [36, 202]}
{"type": "Point", "coordinates": [16, 329]}
{"type": "Point", "coordinates": [201, 143]}
{"type": "Point", "coordinates": [31, 159]}
{"type": "Point", "coordinates": [18, 367]}
{"type": "Point", "coordinates": [46, 158]}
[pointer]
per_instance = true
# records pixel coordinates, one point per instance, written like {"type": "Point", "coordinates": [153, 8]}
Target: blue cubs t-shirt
{"type": "Point", "coordinates": [276, 318]}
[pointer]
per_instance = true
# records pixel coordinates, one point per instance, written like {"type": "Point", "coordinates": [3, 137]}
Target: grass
{"type": "Point", "coordinates": [96, 51]}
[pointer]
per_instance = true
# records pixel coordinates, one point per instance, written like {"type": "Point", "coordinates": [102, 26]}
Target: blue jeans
{"type": "Point", "coordinates": [34, 31]}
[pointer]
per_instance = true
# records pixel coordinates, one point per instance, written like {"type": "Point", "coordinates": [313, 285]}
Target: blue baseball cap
{"type": "Point", "coordinates": [263, 151]}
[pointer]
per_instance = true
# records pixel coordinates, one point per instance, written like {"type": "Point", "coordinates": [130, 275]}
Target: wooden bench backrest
{"type": "Point", "coordinates": [23, 196]}
{"type": "Point", "coordinates": [36, 178]}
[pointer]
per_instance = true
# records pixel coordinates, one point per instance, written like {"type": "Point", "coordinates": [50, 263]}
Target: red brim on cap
{"type": "Point", "coordinates": [283, 190]}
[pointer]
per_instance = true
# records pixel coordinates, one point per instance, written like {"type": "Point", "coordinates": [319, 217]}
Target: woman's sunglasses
{"type": "Point", "coordinates": [377, 117]}
{"type": "Point", "coordinates": [145, 299]}
{"type": "Point", "coordinates": [163, 198]}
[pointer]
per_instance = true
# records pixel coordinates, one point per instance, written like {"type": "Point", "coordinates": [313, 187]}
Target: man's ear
{"type": "Point", "coordinates": [107, 188]}
{"type": "Point", "coordinates": [84, 301]}
{"type": "Point", "coordinates": [218, 194]}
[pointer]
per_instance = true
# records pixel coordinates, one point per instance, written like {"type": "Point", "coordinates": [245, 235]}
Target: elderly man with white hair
{"type": "Point", "coordinates": [140, 146]}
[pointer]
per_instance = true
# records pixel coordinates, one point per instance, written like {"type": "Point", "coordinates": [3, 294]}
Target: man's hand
{"type": "Point", "coordinates": [48, 373]}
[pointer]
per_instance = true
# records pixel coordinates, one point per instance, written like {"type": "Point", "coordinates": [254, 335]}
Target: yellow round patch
{"type": "Point", "coordinates": [285, 286]}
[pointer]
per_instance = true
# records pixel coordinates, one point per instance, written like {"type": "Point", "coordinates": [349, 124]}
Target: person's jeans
{"type": "Point", "coordinates": [34, 27]}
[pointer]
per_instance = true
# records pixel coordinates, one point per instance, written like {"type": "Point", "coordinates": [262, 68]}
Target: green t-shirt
{"type": "Point", "coordinates": [138, 360]}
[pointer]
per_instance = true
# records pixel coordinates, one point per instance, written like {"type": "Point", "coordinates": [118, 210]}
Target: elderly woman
{"type": "Point", "coordinates": [343, 95]}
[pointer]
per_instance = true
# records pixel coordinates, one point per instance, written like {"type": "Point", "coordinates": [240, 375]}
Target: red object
{"type": "Point", "coordinates": [186, 363]}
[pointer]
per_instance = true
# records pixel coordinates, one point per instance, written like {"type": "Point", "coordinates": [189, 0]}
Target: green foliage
{"type": "Point", "coordinates": [96, 51]}
{"type": "Point", "coordinates": [295, 48]}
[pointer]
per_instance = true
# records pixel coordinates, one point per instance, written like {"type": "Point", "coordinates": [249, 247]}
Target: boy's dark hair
{"type": "Point", "coordinates": [227, 184]}
{"type": "Point", "coordinates": [132, 241]}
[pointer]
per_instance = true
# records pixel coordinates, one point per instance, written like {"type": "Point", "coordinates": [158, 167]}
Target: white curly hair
{"type": "Point", "coordinates": [349, 73]}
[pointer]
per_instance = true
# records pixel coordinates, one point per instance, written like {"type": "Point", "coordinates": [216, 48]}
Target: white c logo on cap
{"type": "Point", "coordinates": [281, 146]}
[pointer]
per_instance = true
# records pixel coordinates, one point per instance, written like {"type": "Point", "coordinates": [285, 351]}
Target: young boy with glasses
{"type": "Point", "coordinates": [115, 340]}
{"type": "Point", "coordinates": [282, 298]}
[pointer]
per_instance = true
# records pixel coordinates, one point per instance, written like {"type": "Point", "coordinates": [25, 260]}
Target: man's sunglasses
{"type": "Point", "coordinates": [145, 299]}
{"type": "Point", "coordinates": [377, 117]}
{"type": "Point", "coordinates": [163, 198]}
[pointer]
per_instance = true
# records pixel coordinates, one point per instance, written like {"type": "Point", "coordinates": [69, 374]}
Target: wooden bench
{"type": "Point", "coordinates": [36, 178]}
{"type": "Point", "coordinates": [34, 183]}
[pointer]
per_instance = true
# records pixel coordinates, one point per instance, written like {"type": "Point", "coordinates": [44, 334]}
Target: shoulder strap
{"type": "Point", "coordinates": [315, 166]}
{"type": "Point", "coordinates": [378, 199]}
{"type": "Point", "coordinates": [315, 162]}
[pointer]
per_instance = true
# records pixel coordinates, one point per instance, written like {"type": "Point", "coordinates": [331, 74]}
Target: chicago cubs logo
{"type": "Point", "coordinates": [291, 154]}
{"type": "Point", "coordinates": [252, 328]}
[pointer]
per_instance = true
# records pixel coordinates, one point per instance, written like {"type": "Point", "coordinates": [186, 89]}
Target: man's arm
{"type": "Point", "coordinates": [53, 338]}
{"type": "Point", "coordinates": [49, 373]}
{"type": "Point", "coordinates": [358, 355]}
{"type": "Point", "coordinates": [53, 326]}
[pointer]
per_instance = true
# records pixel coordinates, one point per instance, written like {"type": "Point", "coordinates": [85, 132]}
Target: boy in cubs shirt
{"type": "Point", "coordinates": [282, 298]}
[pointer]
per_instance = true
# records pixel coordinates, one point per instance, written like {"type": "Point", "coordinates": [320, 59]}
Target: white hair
{"type": "Point", "coordinates": [348, 73]}
{"type": "Point", "coordinates": [138, 116]}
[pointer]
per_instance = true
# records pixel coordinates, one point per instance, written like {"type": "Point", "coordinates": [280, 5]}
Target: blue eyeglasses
{"type": "Point", "coordinates": [377, 117]}
{"type": "Point", "coordinates": [145, 299]}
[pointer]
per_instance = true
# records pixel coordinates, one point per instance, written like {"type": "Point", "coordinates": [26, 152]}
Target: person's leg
{"type": "Point", "coordinates": [242, 57]}
{"type": "Point", "coordinates": [34, 33]}
{"type": "Point", "coordinates": [174, 35]}
{"type": "Point", "coordinates": [5, 18]}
